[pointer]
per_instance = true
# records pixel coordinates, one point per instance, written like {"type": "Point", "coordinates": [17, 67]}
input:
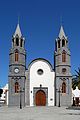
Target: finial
{"type": "Point", "coordinates": [18, 19]}
{"type": "Point", "coordinates": [61, 20]}
{"type": "Point", "coordinates": [18, 30]}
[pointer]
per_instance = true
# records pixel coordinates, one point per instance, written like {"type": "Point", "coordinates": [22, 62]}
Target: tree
{"type": "Point", "coordinates": [76, 79]}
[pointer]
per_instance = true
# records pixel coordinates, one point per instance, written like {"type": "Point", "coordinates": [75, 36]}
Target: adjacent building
{"type": "Point", "coordinates": [4, 96]}
{"type": "Point", "coordinates": [76, 97]}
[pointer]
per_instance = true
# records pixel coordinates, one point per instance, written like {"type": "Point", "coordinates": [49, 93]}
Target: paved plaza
{"type": "Point", "coordinates": [38, 113]}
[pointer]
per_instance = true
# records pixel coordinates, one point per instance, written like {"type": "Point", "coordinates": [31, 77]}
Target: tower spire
{"type": "Point", "coordinates": [62, 33]}
{"type": "Point", "coordinates": [18, 30]}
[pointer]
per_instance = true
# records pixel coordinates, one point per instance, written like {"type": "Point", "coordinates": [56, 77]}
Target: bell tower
{"type": "Point", "coordinates": [17, 67]}
{"type": "Point", "coordinates": [62, 70]}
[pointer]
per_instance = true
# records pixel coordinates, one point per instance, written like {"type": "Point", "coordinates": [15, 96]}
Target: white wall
{"type": "Point", "coordinates": [4, 96]}
{"type": "Point", "coordinates": [46, 79]}
{"type": "Point", "coordinates": [76, 92]}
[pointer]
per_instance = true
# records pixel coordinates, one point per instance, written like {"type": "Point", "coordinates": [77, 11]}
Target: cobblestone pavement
{"type": "Point", "coordinates": [38, 113]}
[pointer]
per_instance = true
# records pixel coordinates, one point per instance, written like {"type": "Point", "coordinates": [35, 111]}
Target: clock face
{"type": "Point", "coordinates": [16, 70]}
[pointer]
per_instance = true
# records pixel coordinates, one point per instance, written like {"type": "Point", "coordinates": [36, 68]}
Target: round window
{"type": "Point", "coordinates": [64, 70]}
{"type": "Point", "coordinates": [40, 71]}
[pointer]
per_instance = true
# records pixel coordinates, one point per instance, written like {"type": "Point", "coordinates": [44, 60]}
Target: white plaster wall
{"type": "Point", "coordinates": [46, 80]}
{"type": "Point", "coordinates": [76, 92]}
{"type": "Point", "coordinates": [5, 94]}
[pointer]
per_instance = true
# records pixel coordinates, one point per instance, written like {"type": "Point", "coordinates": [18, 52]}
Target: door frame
{"type": "Point", "coordinates": [36, 89]}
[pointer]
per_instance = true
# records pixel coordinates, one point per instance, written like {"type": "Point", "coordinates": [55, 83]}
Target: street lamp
{"type": "Point", "coordinates": [1, 91]}
{"type": "Point", "coordinates": [21, 97]}
{"type": "Point", "coordinates": [59, 97]}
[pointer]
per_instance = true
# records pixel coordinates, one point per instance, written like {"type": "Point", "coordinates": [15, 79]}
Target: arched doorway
{"type": "Point", "coordinates": [40, 98]}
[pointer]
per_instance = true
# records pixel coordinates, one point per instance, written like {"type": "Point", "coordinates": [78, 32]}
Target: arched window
{"type": "Point", "coordinates": [12, 42]}
{"type": "Point", "coordinates": [17, 41]}
{"type": "Point", "coordinates": [16, 87]}
{"type": "Point", "coordinates": [63, 43]}
{"type": "Point", "coordinates": [63, 56]}
{"type": "Point", "coordinates": [63, 87]}
{"type": "Point", "coordinates": [58, 43]}
{"type": "Point", "coordinates": [21, 43]}
{"type": "Point", "coordinates": [16, 56]}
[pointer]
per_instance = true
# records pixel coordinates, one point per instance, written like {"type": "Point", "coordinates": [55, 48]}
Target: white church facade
{"type": "Point", "coordinates": [40, 84]}
{"type": "Point", "coordinates": [41, 76]}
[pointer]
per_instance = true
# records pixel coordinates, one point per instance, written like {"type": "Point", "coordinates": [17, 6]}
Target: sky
{"type": "Point", "coordinates": [40, 22]}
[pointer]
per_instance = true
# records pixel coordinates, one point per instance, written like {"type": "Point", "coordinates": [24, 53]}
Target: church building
{"type": "Point", "coordinates": [40, 84]}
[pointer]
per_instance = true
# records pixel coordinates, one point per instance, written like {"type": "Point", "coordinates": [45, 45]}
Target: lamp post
{"type": "Point", "coordinates": [21, 97]}
{"type": "Point", "coordinates": [1, 91]}
{"type": "Point", "coordinates": [59, 97]}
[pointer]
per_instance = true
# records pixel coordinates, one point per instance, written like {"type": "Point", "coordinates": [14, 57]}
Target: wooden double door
{"type": "Point", "coordinates": [77, 101]}
{"type": "Point", "coordinates": [40, 98]}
